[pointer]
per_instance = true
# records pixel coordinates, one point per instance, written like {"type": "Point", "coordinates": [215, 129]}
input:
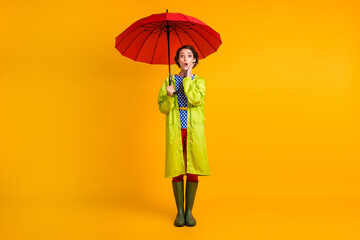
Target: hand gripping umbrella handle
{"type": "Point", "coordinates": [170, 83]}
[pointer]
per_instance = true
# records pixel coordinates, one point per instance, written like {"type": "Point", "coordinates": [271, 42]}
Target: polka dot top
{"type": "Point", "coordinates": [182, 99]}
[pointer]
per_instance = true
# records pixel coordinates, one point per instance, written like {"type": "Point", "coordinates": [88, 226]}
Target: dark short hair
{"type": "Point", "coordinates": [191, 48]}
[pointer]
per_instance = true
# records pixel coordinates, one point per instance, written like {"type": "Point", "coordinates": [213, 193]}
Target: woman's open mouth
{"type": "Point", "coordinates": [186, 64]}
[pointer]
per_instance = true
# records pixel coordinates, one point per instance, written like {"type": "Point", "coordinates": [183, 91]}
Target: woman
{"type": "Point", "coordinates": [186, 151]}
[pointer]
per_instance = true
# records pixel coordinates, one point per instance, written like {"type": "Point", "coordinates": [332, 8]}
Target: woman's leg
{"type": "Point", "coordinates": [191, 187]}
{"type": "Point", "coordinates": [192, 177]}
{"type": "Point", "coordinates": [178, 187]}
{"type": "Point", "coordinates": [178, 178]}
{"type": "Point", "coordinates": [183, 138]}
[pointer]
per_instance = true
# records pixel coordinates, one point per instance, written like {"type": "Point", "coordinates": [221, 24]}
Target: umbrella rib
{"type": "Point", "coordinates": [193, 41]}
{"type": "Point", "coordinates": [178, 37]}
{"type": "Point", "coordinates": [203, 37]}
{"type": "Point", "coordinates": [157, 40]}
{"type": "Point", "coordinates": [128, 34]}
{"type": "Point", "coordinates": [144, 43]}
{"type": "Point", "coordinates": [134, 40]}
{"type": "Point", "coordinates": [196, 24]}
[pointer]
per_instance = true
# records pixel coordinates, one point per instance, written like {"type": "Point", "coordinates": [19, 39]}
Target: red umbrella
{"type": "Point", "coordinates": [155, 39]}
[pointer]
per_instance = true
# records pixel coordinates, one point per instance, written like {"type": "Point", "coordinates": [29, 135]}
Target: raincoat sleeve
{"type": "Point", "coordinates": [166, 103]}
{"type": "Point", "coordinates": [194, 90]}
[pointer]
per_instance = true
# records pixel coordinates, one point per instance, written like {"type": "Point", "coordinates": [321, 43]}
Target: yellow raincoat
{"type": "Point", "coordinates": [197, 160]}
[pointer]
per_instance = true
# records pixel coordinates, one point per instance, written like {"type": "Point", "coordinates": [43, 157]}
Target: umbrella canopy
{"type": "Point", "coordinates": [155, 39]}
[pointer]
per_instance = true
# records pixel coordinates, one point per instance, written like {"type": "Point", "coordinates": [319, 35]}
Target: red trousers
{"type": "Point", "coordinates": [189, 177]}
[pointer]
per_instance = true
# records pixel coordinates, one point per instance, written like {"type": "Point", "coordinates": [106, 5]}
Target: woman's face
{"type": "Point", "coordinates": [186, 58]}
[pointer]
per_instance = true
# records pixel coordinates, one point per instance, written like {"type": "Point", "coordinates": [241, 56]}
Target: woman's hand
{"type": "Point", "coordinates": [189, 71]}
{"type": "Point", "coordinates": [170, 90]}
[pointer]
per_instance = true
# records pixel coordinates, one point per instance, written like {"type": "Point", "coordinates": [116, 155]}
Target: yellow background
{"type": "Point", "coordinates": [82, 142]}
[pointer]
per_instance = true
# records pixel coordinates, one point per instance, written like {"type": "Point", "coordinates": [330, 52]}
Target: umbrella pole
{"type": "Point", "coordinates": [168, 40]}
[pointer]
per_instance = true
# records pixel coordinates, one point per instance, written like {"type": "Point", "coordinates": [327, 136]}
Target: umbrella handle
{"type": "Point", "coordinates": [170, 81]}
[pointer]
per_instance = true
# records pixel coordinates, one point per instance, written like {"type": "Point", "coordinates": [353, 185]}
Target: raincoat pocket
{"type": "Point", "coordinates": [199, 121]}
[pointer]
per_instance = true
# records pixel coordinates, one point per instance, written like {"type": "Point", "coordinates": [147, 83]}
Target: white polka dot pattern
{"type": "Point", "coordinates": [182, 100]}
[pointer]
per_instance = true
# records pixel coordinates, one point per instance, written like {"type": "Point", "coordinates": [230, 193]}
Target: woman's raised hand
{"type": "Point", "coordinates": [189, 71]}
{"type": "Point", "coordinates": [170, 90]}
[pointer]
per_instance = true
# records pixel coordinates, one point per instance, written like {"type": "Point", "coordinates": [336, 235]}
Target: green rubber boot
{"type": "Point", "coordinates": [190, 198]}
{"type": "Point", "coordinates": [179, 199]}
